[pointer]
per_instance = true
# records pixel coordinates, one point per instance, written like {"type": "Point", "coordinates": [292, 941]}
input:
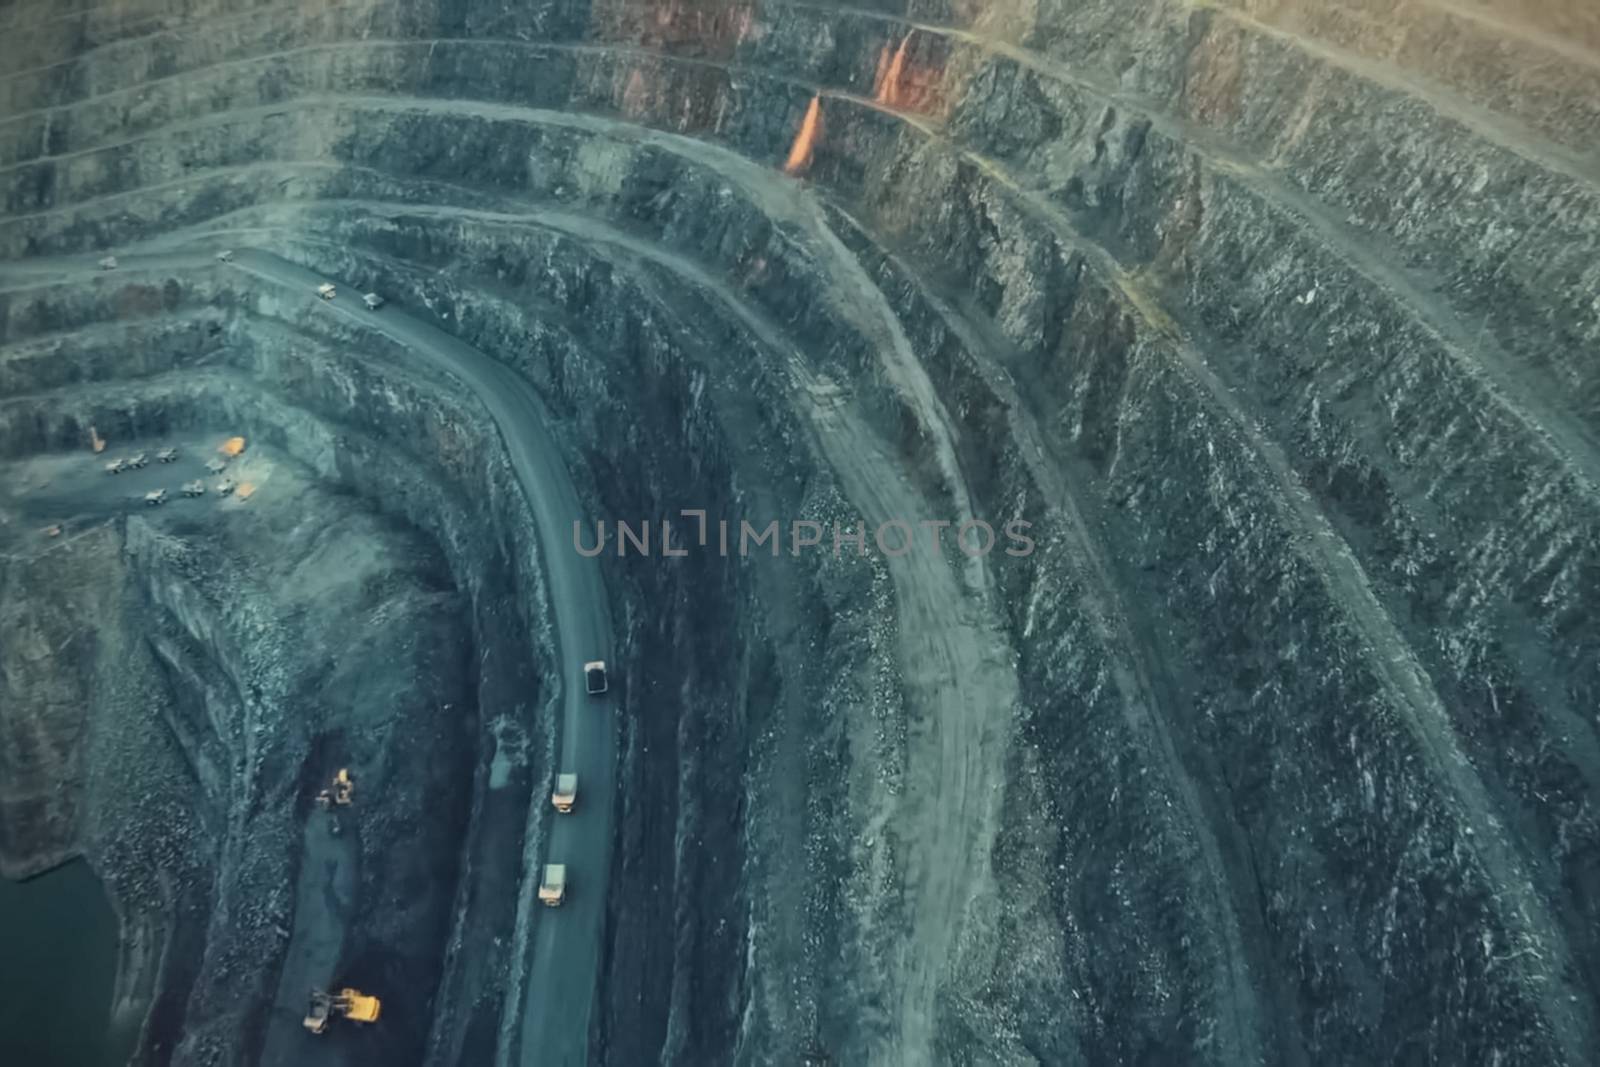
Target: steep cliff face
{"type": "Point", "coordinates": [179, 684]}
{"type": "Point", "coordinates": [1276, 321]}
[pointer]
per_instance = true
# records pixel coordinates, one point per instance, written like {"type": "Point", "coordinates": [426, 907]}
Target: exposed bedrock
{"type": "Point", "coordinates": [349, 397]}
{"type": "Point", "coordinates": [1278, 324]}
{"type": "Point", "coordinates": [194, 762]}
{"type": "Point", "coordinates": [1475, 204]}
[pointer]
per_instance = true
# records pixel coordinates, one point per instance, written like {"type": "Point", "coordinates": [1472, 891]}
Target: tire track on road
{"type": "Point", "coordinates": [1146, 698]}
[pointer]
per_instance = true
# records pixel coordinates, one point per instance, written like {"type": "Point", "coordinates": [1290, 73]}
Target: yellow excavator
{"type": "Point", "coordinates": [351, 1004]}
{"type": "Point", "coordinates": [339, 791]}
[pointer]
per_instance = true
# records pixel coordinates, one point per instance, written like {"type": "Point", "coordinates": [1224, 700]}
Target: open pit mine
{"type": "Point", "coordinates": [999, 533]}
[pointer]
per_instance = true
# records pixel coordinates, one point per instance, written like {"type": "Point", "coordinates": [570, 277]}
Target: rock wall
{"type": "Point", "coordinates": [1275, 320]}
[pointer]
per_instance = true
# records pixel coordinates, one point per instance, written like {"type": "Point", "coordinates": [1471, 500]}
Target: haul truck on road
{"type": "Point", "coordinates": [553, 890]}
{"type": "Point", "coordinates": [594, 676]}
{"type": "Point", "coordinates": [566, 792]}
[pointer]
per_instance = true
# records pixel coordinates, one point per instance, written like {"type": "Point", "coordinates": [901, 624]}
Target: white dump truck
{"type": "Point", "coordinates": [109, 263]}
{"type": "Point", "coordinates": [326, 290]}
{"type": "Point", "coordinates": [155, 497]}
{"type": "Point", "coordinates": [225, 256]}
{"type": "Point", "coordinates": [594, 676]}
{"type": "Point", "coordinates": [373, 301]}
{"type": "Point", "coordinates": [566, 792]}
{"type": "Point", "coordinates": [117, 466]}
{"type": "Point", "coordinates": [225, 487]}
{"type": "Point", "coordinates": [553, 890]}
{"type": "Point", "coordinates": [194, 488]}
{"type": "Point", "coordinates": [167, 455]}
{"type": "Point", "coordinates": [139, 459]}
{"type": "Point", "coordinates": [216, 466]}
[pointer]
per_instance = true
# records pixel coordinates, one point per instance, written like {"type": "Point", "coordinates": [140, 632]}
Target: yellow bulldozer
{"type": "Point", "coordinates": [339, 791]}
{"type": "Point", "coordinates": [350, 1004]}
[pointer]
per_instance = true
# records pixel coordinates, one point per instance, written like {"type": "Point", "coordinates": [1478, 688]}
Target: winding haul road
{"type": "Point", "coordinates": [561, 982]}
{"type": "Point", "coordinates": [560, 987]}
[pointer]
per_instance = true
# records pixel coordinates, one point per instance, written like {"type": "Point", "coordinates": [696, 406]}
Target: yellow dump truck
{"type": "Point", "coordinates": [566, 792]}
{"type": "Point", "coordinates": [358, 1007]}
{"type": "Point", "coordinates": [553, 890]}
{"type": "Point", "coordinates": [340, 791]}
{"type": "Point", "coordinates": [351, 1004]}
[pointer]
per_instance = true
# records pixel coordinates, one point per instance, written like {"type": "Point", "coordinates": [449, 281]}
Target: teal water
{"type": "Point", "coordinates": [58, 961]}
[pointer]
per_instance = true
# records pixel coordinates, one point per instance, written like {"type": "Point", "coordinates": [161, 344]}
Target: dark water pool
{"type": "Point", "coordinates": [58, 961]}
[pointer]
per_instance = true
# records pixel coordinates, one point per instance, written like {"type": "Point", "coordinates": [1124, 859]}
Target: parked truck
{"type": "Point", "coordinates": [340, 791]}
{"type": "Point", "coordinates": [350, 1004]}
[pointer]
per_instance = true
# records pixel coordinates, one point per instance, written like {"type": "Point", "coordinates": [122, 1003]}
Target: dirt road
{"type": "Point", "coordinates": [324, 903]}
{"type": "Point", "coordinates": [560, 986]}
